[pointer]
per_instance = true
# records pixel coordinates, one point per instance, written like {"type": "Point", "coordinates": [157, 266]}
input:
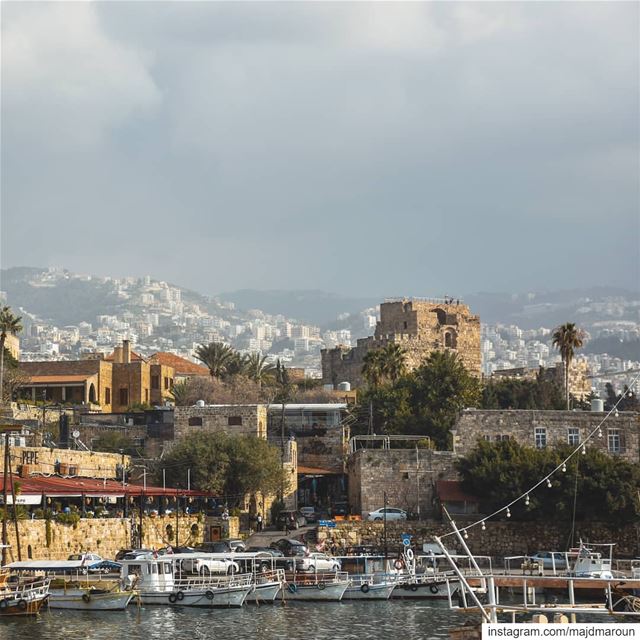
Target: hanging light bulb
{"type": "Point", "coordinates": [526, 500]}
{"type": "Point", "coordinates": [466, 535]}
{"type": "Point", "coordinates": [484, 526]}
{"type": "Point", "coordinates": [616, 413]}
{"type": "Point", "coordinates": [548, 483]}
{"type": "Point", "coordinates": [508, 513]}
{"type": "Point", "coordinates": [584, 450]}
{"type": "Point", "coordinates": [564, 467]}
{"type": "Point", "coordinates": [599, 433]}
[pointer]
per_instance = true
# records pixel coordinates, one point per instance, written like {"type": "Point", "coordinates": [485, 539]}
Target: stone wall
{"type": "Point", "coordinates": [474, 425]}
{"type": "Point", "coordinates": [420, 327]}
{"type": "Point", "coordinates": [407, 476]}
{"type": "Point", "coordinates": [500, 539]}
{"type": "Point", "coordinates": [50, 540]}
{"type": "Point", "coordinates": [238, 419]}
{"type": "Point", "coordinates": [90, 464]}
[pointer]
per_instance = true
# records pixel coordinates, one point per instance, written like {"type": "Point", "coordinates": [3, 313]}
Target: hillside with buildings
{"type": "Point", "coordinates": [68, 315]}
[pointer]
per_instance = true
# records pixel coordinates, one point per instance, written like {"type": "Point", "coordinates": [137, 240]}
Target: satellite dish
{"type": "Point", "coordinates": [75, 433]}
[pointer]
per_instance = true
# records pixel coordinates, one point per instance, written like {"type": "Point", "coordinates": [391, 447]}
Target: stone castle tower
{"type": "Point", "coordinates": [420, 327]}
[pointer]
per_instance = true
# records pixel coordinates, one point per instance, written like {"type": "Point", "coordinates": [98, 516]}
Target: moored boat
{"type": "Point", "coordinates": [316, 586]}
{"type": "Point", "coordinates": [22, 596]}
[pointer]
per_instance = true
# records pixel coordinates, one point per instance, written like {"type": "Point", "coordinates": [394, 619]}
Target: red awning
{"type": "Point", "coordinates": [55, 486]}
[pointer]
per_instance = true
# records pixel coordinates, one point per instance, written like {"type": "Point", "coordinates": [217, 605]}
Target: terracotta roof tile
{"type": "Point", "coordinates": [180, 365]}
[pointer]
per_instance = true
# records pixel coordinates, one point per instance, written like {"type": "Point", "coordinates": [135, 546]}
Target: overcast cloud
{"type": "Point", "coordinates": [374, 149]}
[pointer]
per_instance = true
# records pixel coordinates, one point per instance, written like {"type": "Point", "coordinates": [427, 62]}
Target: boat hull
{"type": "Point", "coordinates": [327, 592]}
{"type": "Point", "coordinates": [374, 592]}
{"type": "Point", "coordinates": [84, 599]}
{"type": "Point", "coordinates": [264, 593]}
{"type": "Point", "coordinates": [424, 590]}
{"type": "Point", "coordinates": [21, 607]}
{"type": "Point", "coordinates": [232, 597]}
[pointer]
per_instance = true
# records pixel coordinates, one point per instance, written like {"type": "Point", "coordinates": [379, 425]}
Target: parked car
{"type": "Point", "coordinates": [309, 514]}
{"type": "Point", "coordinates": [230, 545]}
{"type": "Point", "coordinates": [205, 564]}
{"type": "Point", "coordinates": [290, 547]}
{"type": "Point", "coordinates": [278, 558]}
{"type": "Point", "coordinates": [290, 519]}
{"type": "Point", "coordinates": [546, 560]}
{"type": "Point", "coordinates": [340, 509]}
{"type": "Point", "coordinates": [317, 562]}
{"type": "Point", "coordinates": [391, 514]}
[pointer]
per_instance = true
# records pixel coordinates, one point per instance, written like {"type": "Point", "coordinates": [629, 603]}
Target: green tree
{"type": "Point", "coordinates": [217, 357]}
{"type": "Point", "coordinates": [393, 358]}
{"type": "Point", "coordinates": [499, 472]}
{"type": "Point", "coordinates": [9, 325]}
{"type": "Point", "coordinates": [514, 393]}
{"type": "Point", "coordinates": [373, 367]}
{"type": "Point", "coordinates": [225, 465]}
{"type": "Point", "coordinates": [257, 368]}
{"type": "Point", "coordinates": [567, 338]}
{"type": "Point", "coordinates": [113, 442]}
{"type": "Point", "coordinates": [180, 393]}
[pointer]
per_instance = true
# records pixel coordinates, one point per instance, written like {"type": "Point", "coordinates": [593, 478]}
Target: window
{"type": "Point", "coordinates": [573, 436]}
{"type": "Point", "coordinates": [234, 421]}
{"type": "Point", "coordinates": [107, 396]}
{"type": "Point", "coordinates": [486, 438]}
{"type": "Point", "coordinates": [503, 437]}
{"type": "Point", "coordinates": [124, 397]}
{"type": "Point", "coordinates": [541, 437]}
{"type": "Point", "coordinates": [155, 382]}
{"type": "Point", "coordinates": [615, 443]}
{"type": "Point", "coordinates": [167, 567]}
{"type": "Point", "coordinates": [195, 422]}
{"type": "Point", "coordinates": [406, 324]}
{"type": "Point", "coordinates": [166, 382]}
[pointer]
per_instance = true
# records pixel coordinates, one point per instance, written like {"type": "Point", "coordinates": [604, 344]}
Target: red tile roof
{"type": "Point", "coordinates": [180, 365]}
{"type": "Point", "coordinates": [58, 486]}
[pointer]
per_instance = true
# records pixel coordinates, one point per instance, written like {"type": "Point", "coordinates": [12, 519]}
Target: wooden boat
{"type": "Point", "coordinates": [22, 596]}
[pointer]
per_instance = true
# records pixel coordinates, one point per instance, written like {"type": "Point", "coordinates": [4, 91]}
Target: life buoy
{"type": "Point", "coordinates": [364, 588]}
{"type": "Point", "coordinates": [172, 598]}
{"type": "Point", "coordinates": [180, 596]}
{"type": "Point", "coordinates": [409, 554]}
{"type": "Point", "coordinates": [22, 604]}
{"type": "Point", "coordinates": [86, 597]}
{"type": "Point", "coordinates": [292, 588]}
{"type": "Point", "coordinates": [398, 564]}
{"type": "Point", "coordinates": [209, 594]}
{"type": "Point", "coordinates": [433, 588]}
{"type": "Point", "coordinates": [322, 586]}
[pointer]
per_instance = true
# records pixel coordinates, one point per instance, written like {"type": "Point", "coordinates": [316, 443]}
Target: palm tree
{"type": "Point", "coordinates": [217, 356]}
{"type": "Point", "coordinates": [180, 392]}
{"type": "Point", "coordinates": [373, 367]}
{"type": "Point", "coordinates": [9, 325]}
{"type": "Point", "coordinates": [567, 338]}
{"type": "Point", "coordinates": [257, 368]}
{"type": "Point", "coordinates": [393, 361]}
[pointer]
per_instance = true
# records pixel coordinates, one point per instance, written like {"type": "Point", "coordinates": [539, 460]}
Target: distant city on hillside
{"type": "Point", "coordinates": [66, 315]}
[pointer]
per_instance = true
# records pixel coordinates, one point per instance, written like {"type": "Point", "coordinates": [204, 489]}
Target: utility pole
{"type": "Point", "coordinates": [177, 518]}
{"type": "Point", "coordinates": [384, 520]}
{"type": "Point", "coordinates": [4, 499]}
{"type": "Point", "coordinates": [418, 480]}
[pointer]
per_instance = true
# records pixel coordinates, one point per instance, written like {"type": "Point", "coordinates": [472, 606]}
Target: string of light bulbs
{"type": "Point", "coordinates": [547, 479]}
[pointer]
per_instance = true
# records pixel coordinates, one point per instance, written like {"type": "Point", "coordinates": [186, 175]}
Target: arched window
{"type": "Point", "coordinates": [92, 394]}
{"type": "Point", "coordinates": [450, 340]}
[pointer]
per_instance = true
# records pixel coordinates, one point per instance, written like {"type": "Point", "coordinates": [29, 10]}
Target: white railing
{"type": "Point", "coordinates": [214, 582]}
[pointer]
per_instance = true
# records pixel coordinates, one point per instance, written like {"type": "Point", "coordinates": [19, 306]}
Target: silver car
{"type": "Point", "coordinates": [391, 513]}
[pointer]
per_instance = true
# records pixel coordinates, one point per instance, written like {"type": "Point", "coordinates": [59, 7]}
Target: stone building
{"type": "Point", "coordinates": [111, 384]}
{"type": "Point", "coordinates": [234, 419]}
{"type": "Point", "coordinates": [419, 327]}
{"type": "Point", "coordinates": [408, 477]}
{"type": "Point", "coordinates": [620, 434]}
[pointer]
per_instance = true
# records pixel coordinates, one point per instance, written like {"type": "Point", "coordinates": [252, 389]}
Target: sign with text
{"type": "Point", "coordinates": [327, 523]}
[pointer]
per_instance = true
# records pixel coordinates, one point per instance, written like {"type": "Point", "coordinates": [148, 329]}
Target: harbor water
{"type": "Point", "coordinates": [295, 621]}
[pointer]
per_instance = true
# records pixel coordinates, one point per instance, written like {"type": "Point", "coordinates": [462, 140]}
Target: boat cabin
{"type": "Point", "coordinates": [148, 573]}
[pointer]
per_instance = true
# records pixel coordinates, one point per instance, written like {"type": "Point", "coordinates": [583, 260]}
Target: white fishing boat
{"type": "Point", "coordinates": [316, 586]}
{"type": "Point", "coordinates": [370, 577]}
{"type": "Point", "coordinates": [267, 586]}
{"type": "Point", "coordinates": [71, 586]}
{"type": "Point", "coordinates": [159, 580]}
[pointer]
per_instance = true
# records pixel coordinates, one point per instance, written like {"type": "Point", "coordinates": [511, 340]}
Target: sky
{"type": "Point", "coordinates": [374, 149]}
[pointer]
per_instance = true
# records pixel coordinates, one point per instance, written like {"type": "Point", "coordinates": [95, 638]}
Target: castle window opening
{"type": "Point", "coordinates": [195, 422]}
{"type": "Point", "coordinates": [92, 394]}
{"type": "Point", "coordinates": [234, 421]}
{"type": "Point", "coordinates": [450, 340]}
{"type": "Point", "coordinates": [614, 441]}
